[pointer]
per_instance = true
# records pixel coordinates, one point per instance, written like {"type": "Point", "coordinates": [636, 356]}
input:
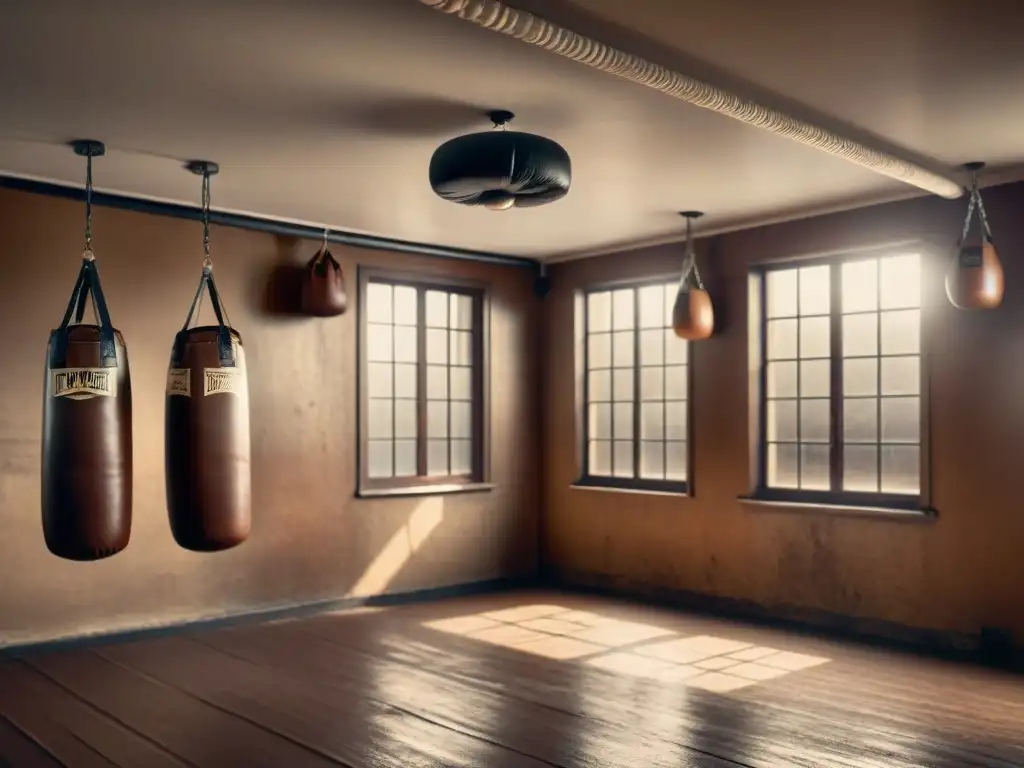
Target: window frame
{"type": "Point", "coordinates": [758, 328]}
{"type": "Point", "coordinates": [417, 485]}
{"type": "Point", "coordinates": [628, 484]}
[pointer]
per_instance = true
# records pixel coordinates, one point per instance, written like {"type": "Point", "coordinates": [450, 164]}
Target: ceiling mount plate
{"type": "Point", "coordinates": [88, 148]}
{"type": "Point", "coordinates": [202, 167]}
{"type": "Point", "coordinates": [977, 165]}
{"type": "Point", "coordinates": [501, 116]}
{"type": "Point", "coordinates": [691, 214]}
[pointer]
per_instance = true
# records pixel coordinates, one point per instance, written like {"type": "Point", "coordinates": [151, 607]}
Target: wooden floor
{"type": "Point", "coordinates": [524, 679]}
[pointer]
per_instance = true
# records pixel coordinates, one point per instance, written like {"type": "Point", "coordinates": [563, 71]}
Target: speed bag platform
{"type": "Point", "coordinates": [87, 432]}
{"type": "Point", "coordinates": [207, 449]}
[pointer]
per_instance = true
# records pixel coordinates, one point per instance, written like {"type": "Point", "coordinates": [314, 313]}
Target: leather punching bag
{"type": "Point", "coordinates": [693, 316]}
{"type": "Point", "coordinates": [323, 286]}
{"type": "Point", "coordinates": [975, 276]}
{"type": "Point", "coordinates": [207, 433]}
{"type": "Point", "coordinates": [87, 431]}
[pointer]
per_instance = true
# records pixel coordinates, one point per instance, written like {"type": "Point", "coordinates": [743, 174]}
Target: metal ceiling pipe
{"type": "Point", "coordinates": [499, 17]}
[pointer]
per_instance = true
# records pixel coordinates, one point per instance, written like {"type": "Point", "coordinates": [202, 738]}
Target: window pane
{"type": "Point", "coordinates": [599, 386]}
{"type": "Point", "coordinates": [406, 302]}
{"type": "Point", "coordinates": [437, 418]}
{"type": "Point", "coordinates": [652, 302]}
{"type": "Point", "coordinates": [860, 376]}
{"type": "Point", "coordinates": [815, 290]}
{"type": "Point", "coordinates": [900, 282]}
{"type": "Point", "coordinates": [782, 466]}
{"type": "Point", "coordinates": [378, 303]}
{"type": "Point", "coordinates": [622, 349]}
{"type": "Point", "coordinates": [622, 381]}
{"type": "Point", "coordinates": [901, 419]}
{"type": "Point", "coordinates": [437, 382]}
{"type": "Point", "coordinates": [379, 458]}
{"type": "Point", "coordinates": [378, 343]}
{"type": "Point", "coordinates": [622, 465]}
{"type": "Point", "coordinates": [814, 468]}
{"type": "Point", "coordinates": [675, 461]}
{"type": "Point", "coordinates": [405, 344]}
{"type": "Point", "coordinates": [462, 457]}
{"type": "Point", "coordinates": [671, 291]}
{"type": "Point", "coordinates": [676, 382]}
{"type": "Point", "coordinates": [406, 423]}
{"type": "Point", "coordinates": [901, 469]}
{"type": "Point", "coordinates": [461, 312]}
{"type": "Point", "coordinates": [676, 415]}
{"type": "Point", "coordinates": [405, 458]}
{"type": "Point", "coordinates": [677, 351]}
{"type": "Point", "coordinates": [380, 379]}
{"type": "Point", "coordinates": [379, 419]}
{"type": "Point", "coordinates": [622, 310]}
{"type": "Point", "coordinates": [782, 339]}
{"type": "Point", "coordinates": [622, 416]}
{"type": "Point", "coordinates": [901, 332]}
{"type": "Point", "coordinates": [600, 427]}
{"type": "Point", "coordinates": [652, 347]}
{"type": "Point", "coordinates": [652, 421]}
{"type": "Point", "coordinates": [405, 381]}
{"type": "Point", "coordinates": [652, 383]}
{"type": "Point", "coordinates": [782, 421]}
{"type": "Point", "coordinates": [437, 458]}
{"type": "Point", "coordinates": [860, 286]}
{"type": "Point", "coordinates": [814, 421]}
{"type": "Point", "coordinates": [600, 458]}
{"type": "Point", "coordinates": [860, 420]}
{"type": "Point", "coordinates": [815, 378]}
{"type": "Point", "coordinates": [815, 337]}
{"type": "Point", "coordinates": [461, 420]}
{"type": "Point", "coordinates": [462, 348]}
{"type": "Point", "coordinates": [437, 346]}
{"type": "Point", "coordinates": [437, 309]}
{"type": "Point", "coordinates": [782, 293]}
{"type": "Point", "coordinates": [599, 312]}
{"type": "Point", "coordinates": [860, 335]}
{"type": "Point", "coordinates": [652, 460]}
{"type": "Point", "coordinates": [860, 468]}
{"type": "Point", "coordinates": [460, 381]}
{"type": "Point", "coordinates": [782, 379]}
{"type": "Point", "coordinates": [901, 375]}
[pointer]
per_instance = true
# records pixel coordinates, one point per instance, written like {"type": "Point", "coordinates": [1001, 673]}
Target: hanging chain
{"type": "Point", "coordinates": [207, 261]}
{"type": "Point", "coordinates": [87, 254]}
{"type": "Point", "coordinates": [978, 205]}
{"type": "Point", "coordinates": [690, 257]}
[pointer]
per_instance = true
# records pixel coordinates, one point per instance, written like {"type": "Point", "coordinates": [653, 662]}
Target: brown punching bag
{"type": "Point", "coordinates": [693, 316]}
{"type": "Point", "coordinates": [87, 431]}
{"type": "Point", "coordinates": [975, 277]}
{"type": "Point", "coordinates": [207, 433]}
{"type": "Point", "coordinates": [323, 286]}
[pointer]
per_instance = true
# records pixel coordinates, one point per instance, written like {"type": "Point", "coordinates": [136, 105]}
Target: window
{"type": "Point", "coordinates": [841, 381]}
{"type": "Point", "coordinates": [636, 389]}
{"type": "Point", "coordinates": [421, 385]}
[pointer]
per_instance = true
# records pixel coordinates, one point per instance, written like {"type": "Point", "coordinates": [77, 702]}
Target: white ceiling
{"type": "Point", "coordinates": [327, 111]}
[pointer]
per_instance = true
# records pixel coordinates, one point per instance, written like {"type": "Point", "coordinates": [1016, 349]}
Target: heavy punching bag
{"type": "Point", "coordinates": [87, 431]}
{"type": "Point", "coordinates": [207, 445]}
{"type": "Point", "coordinates": [693, 316]}
{"type": "Point", "coordinates": [323, 285]}
{"type": "Point", "coordinates": [975, 276]}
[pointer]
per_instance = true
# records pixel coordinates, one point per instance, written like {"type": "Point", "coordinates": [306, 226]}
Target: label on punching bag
{"type": "Point", "coordinates": [84, 383]}
{"type": "Point", "coordinates": [970, 257]}
{"type": "Point", "coordinates": [218, 381]}
{"type": "Point", "coordinates": [179, 381]}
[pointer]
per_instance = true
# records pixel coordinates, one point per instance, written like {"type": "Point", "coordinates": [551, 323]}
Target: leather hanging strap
{"type": "Point", "coordinates": [88, 285]}
{"type": "Point", "coordinates": [323, 261]}
{"type": "Point", "coordinates": [225, 349]}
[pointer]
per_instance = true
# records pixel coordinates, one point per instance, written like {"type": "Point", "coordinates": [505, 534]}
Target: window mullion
{"type": "Point", "coordinates": [421, 382]}
{"type": "Point", "coordinates": [836, 379]}
{"type": "Point", "coordinates": [636, 383]}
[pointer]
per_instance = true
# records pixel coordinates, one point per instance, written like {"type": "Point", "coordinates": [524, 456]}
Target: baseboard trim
{"type": "Point", "coordinates": [274, 613]}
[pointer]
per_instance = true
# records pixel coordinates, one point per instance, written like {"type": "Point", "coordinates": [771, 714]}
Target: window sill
{"type": "Point", "coordinates": [883, 513]}
{"type": "Point", "coordinates": [585, 486]}
{"type": "Point", "coordinates": [423, 490]}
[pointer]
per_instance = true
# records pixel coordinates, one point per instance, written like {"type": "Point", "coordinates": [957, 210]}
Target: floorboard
{"type": "Point", "coordinates": [526, 679]}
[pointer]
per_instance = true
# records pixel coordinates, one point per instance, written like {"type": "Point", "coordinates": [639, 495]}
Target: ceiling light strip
{"type": "Point", "coordinates": [498, 17]}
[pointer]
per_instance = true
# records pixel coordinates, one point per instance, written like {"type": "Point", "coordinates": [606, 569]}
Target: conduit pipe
{"type": "Point", "coordinates": [499, 17]}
